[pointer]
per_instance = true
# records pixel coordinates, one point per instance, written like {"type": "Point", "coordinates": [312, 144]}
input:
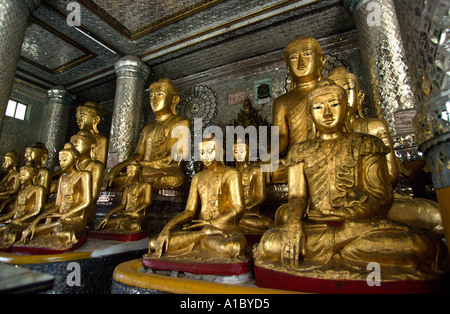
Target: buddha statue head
{"type": "Point", "coordinates": [84, 142]}
{"type": "Point", "coordinates": [68, 157]}
{"type": "Point", "coordinates": [36, 154]}
{"type": "Point", "coordinates": [134, 170]}
{"type": "Point", "coordinates": [163, 97]}
{"type": "Point", "coordinates": [349, 82]}
{"type": "Point", "coordinates": [10, 161]}
{"type": "Point", "coordinates": [211, 151]}
{"type": "Point", "coordinates": [327, 105]}
{"type": "Point", "coordinates": [89, 116]}
{"type": "Point", "coordinates": [304, 60]}
{"type": "Point", "coordinates": [27, 174]}
{"type": "Point", "coordinates": [241, 152]}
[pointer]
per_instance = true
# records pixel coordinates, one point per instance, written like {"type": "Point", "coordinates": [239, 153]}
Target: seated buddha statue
{"type": "Point", "coordinates": [10, 183]}
{"type": "Point", "coordinates": [84, 142]}
{"type": "Point", "coordinates": [88, 118]}
{"type": "Point", "coordinates": [36, 155]}
{"type": "Point", "coordinates": [29, 203]}
{"type": "Point", "coordinates": [304, 61]}
{"type": "Point", "coordinates": [209, 225]}
{"type": "Point", "coordinates": [63, 224]}
{"type": "Point", "coordinates": [416, 212]}
{"type": "Point", "coordinates": [154, 148]}
{"type": "Point", "coordinates": [130, 216]}
{"type": "Point", "coordinates": [339, 197]}
{"type": "Point", "coordinates": [254, 191]}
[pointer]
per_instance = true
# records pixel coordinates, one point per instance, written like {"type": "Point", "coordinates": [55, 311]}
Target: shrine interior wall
{"type": "Point", "coordinates": [18, 134]}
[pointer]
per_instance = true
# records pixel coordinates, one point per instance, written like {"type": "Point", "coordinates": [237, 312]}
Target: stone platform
{"type": "Point", "coordinates": [131, 277]}
{"type": "Point", "coordinates": [87, 270]}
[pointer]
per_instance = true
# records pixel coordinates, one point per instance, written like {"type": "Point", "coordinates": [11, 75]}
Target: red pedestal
{"type": "Point", "coordinates": [42, 250]}
{"type": "Point", "coordinates": [225, 269]}
{"type": "Point", "coordinates": [118, 236]}
{"type": "Point", "coordinates": [267, 278]}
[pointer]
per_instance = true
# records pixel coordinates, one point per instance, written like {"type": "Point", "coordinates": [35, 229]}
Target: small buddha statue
{"type": "Point", "coordinates": [254, 192]}
{"type": "Point", "coordinates": [63, 224]}
{"type": "Point", "coordinates": [130, 216]}
{"type": "Point", "coordinates": [29, 203]}
{"type": "Point", "coordinates": [154, 148]}
{"type": "Point", "coordinates": [304, 61]}
{"type": "Point", "coordinates": [339, 197]}
{"type": "Point", "coordinates": [84, 142]}
{"type": "Point", "coordinates": [10, 184]}
{"type": "Point", "coordinates": [36, 155]}
{"type": "Point", "coordinates": [89, 117]}
{"type": "Point", "coordinates": [209, 225]}
{"type": "Point", "coordinates": [416, 212]}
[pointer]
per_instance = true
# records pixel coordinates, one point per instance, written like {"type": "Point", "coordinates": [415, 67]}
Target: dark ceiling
{"type": "Point", "coordinates": [176, 38]}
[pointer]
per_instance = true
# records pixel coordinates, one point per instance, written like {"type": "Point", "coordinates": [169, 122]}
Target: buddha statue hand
{"type": "Point", "coordinates": [28, 233]}
{"type": "Point", "coordinates": [102, 223]}
{"type": "Point", "coordinates": [161, 243]}
{"type": "Point", "coordinates": [293, 244]}
{"type": "Point", "coordinates": [109, 179]}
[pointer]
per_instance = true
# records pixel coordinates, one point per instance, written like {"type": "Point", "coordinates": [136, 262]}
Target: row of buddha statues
{"type": "Point", "coordinates": [340, 168]}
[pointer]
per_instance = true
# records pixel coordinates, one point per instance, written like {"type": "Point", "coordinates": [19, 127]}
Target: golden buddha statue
{"type": "Point", "coordinates": [88, 118]}
{"type": "Point", "coordinates": [29, 203]}
{"type": "Point", "coordinates": [10, 184]}
{"type": "Point", "coordinates": [63, 224]}
{"type": "Point", "coordinates": [36, 155]}
{"type": "Point", "coordinates": [154, 149]}
{"type": "Point", "coordinates": [254, 191]}
{"type": "Point", "coordinates": [359, 123]}
{"type": "Point", "coordinates": [304, 61]}
{"type": "Point", "coordinates": [131, 215]}
{"type": "Point", "coordinates": [416, 212]}
{"type": "Point", "coordinates": [339, 197]}
{"type": "Point", "coordinates": [84, 142]}
{"type": "Point", "coordinates": [214, 207]}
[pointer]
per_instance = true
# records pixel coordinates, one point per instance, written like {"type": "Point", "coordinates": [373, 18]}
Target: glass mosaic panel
{"type": "Point", "coordinates": [134, 16]}
{"type": "Point", "coordinates": [47, 49]}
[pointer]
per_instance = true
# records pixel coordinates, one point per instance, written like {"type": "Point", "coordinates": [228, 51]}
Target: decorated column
{"type": "Point", "coordinates": [57, 113]}
{"type": "Point", "coordinates": [426, 30]}
{"type": "Point", "coordinates": [128, 114]}
{"type": "Point", "coordinates": [14, 15]}
{"type": "Point", "coordinates": [385, 62]}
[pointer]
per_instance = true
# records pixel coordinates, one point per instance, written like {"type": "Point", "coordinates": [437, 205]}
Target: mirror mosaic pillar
{"type": "Point", "coordinates": [14, 16]}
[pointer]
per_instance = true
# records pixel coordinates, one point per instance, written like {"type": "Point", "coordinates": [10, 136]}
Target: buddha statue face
{"type": "Point", "coordinates": [36, 155]}
{"type": "Point", "coordinates": [209, 152]}
{"type": "Point", "coordinates": [8, 163]}
{"type": "Point", "coordinates": [349, 82]}
{"type": "Point", "coordinates": [133, 172]}
{"type": "Point", "coordinates": [241, 152]}
{"type": "Point", "coordinates": [83, 142]}
{"type": "Point", "coordinates": [67, 160]}
{"type": "Point", "coordinates": [304, 59]}
{"type": "Point", "coordinates": [328, 107]}
{"type": "Point", "coordinates": [26, 175]}
{"type": "Point", "coordinates": [88, 116]}
{"type": "Point", "coordinates": [163, 97]}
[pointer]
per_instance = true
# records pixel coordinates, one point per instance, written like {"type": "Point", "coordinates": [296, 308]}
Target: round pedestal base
{"type": "Point", "coordinates": [269, 278]}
